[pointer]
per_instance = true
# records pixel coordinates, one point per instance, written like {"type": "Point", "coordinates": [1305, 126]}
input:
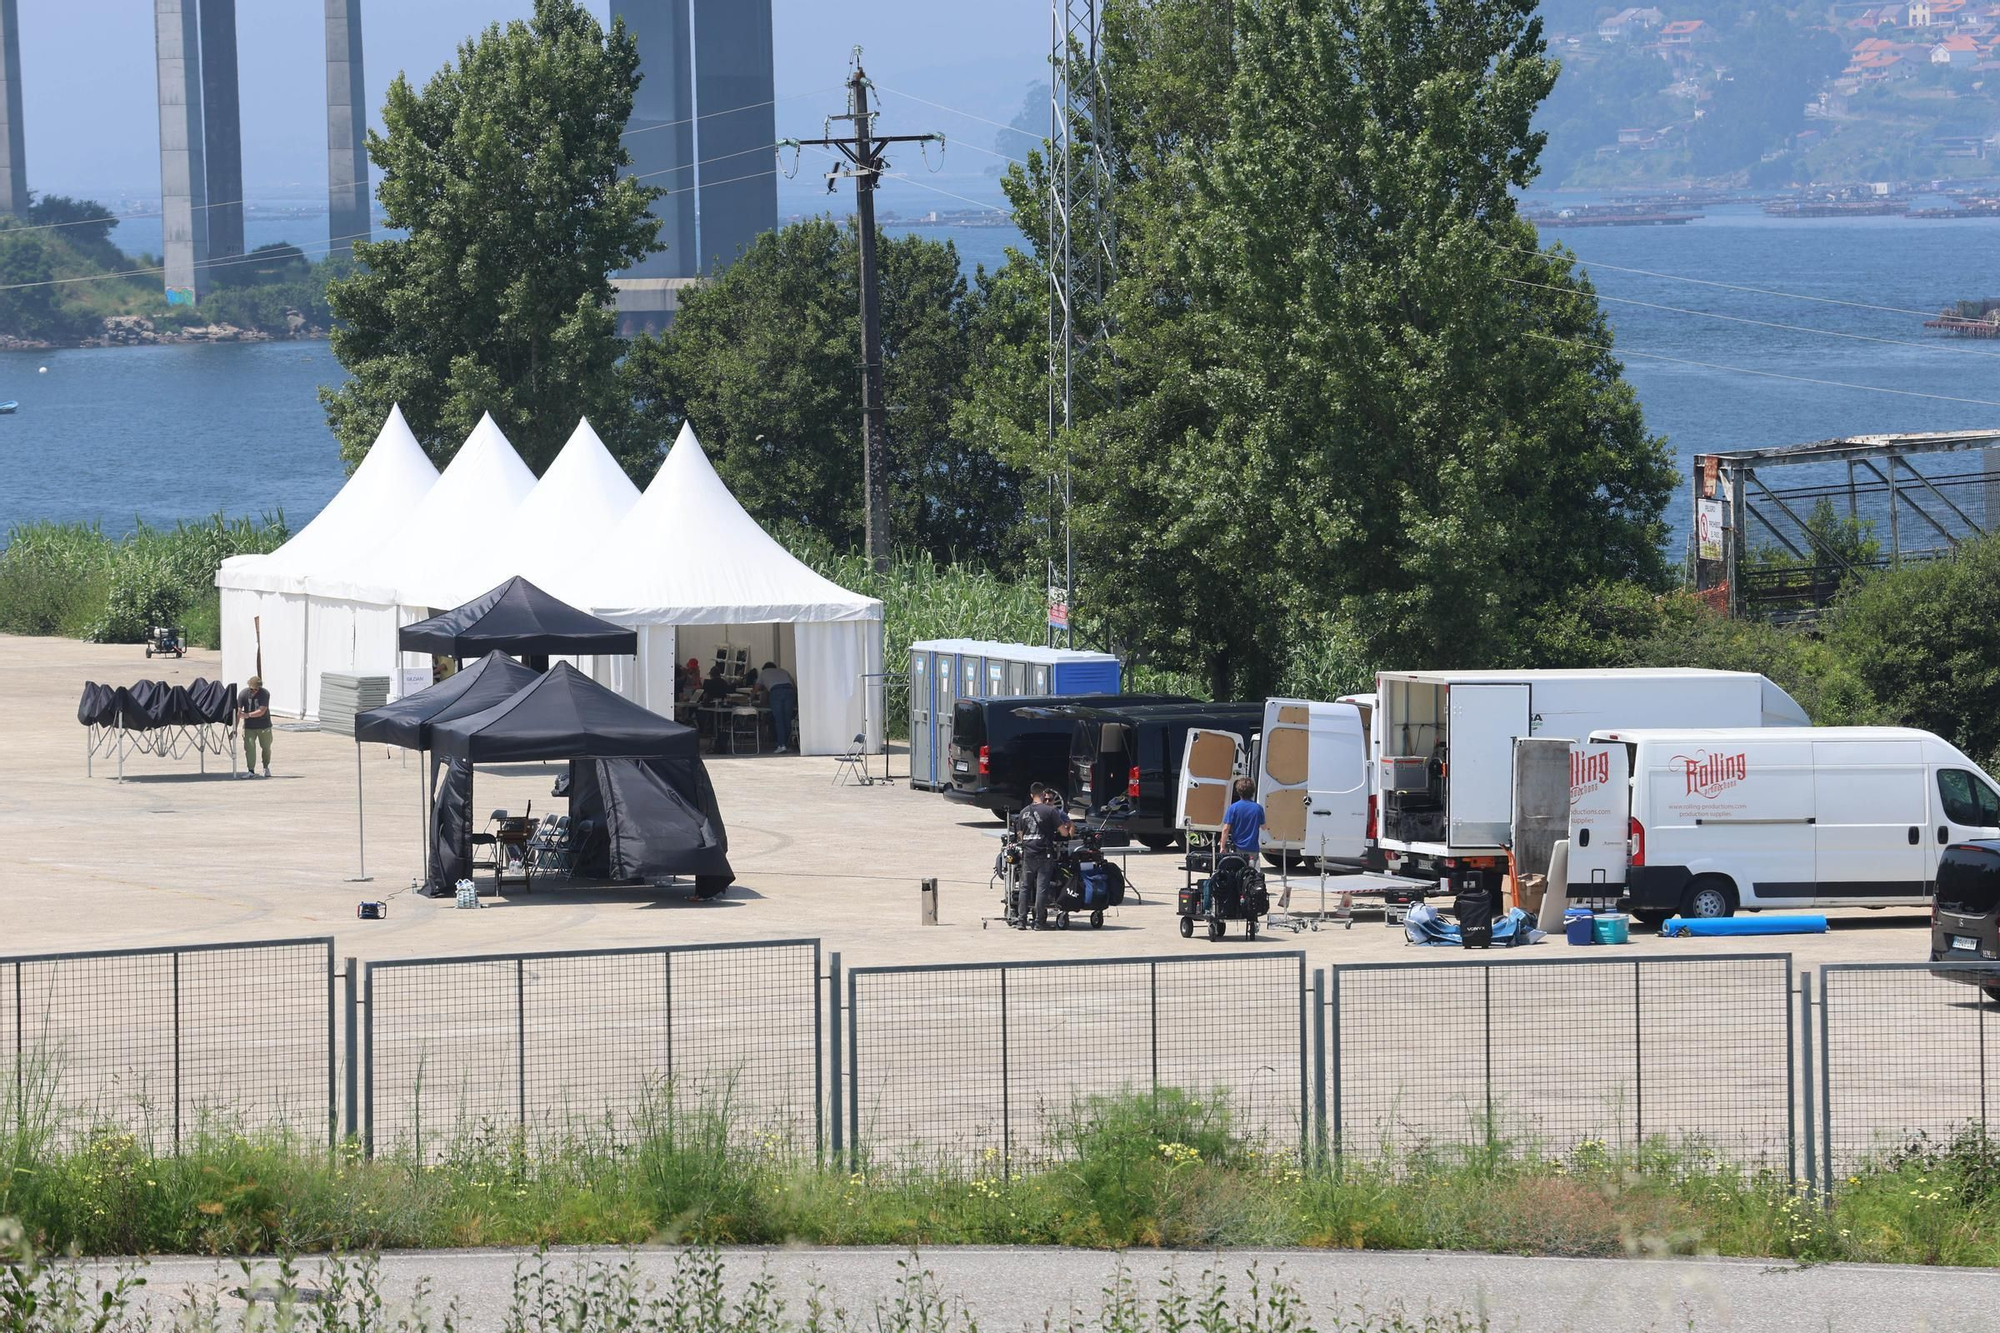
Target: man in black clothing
{"type": "Point", "coordinates": [1040, 826]}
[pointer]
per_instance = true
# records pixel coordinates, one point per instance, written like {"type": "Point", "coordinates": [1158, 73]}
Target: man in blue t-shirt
{"type": "Point", "coordinates": [1242, 829]}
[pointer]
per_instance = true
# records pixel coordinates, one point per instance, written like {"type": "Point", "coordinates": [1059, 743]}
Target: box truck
{"type": "Point", "coordinates": [1715, 821]}
{"type": "Point", "coordinates": [1444, 775]}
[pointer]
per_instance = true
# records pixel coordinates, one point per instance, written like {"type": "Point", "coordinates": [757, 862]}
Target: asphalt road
{"type": "Point", "coordinates": [1009, 1289]}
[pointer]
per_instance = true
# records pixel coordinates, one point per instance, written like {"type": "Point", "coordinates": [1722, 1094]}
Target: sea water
{"type": "Point", "coordinates": [160, 433]}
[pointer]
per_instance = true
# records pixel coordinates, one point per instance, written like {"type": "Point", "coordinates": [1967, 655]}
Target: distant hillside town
{"type": "Point", "coordinates": [1767, 98]}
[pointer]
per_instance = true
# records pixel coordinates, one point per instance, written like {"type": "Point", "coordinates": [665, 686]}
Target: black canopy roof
{"type": "Point", "coordinates": [407, 722]}
{"type": "Point", "coordinates": [518, 618]}
{"type": "Point", "coordinates": [563, 714]}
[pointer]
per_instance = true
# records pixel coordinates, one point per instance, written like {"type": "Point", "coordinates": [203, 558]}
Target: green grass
{"type": "Point", "coordinates": [70, 579]}
{"type": "Point", "coordinates": [1157, 1169]}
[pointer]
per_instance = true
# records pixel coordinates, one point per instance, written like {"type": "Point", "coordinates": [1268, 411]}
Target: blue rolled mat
{"type": "Point", "coordinates": [1761, 924]}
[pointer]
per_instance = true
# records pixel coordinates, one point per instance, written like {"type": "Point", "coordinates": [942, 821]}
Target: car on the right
{"type": "Point", "coordinates": [1965, 915]}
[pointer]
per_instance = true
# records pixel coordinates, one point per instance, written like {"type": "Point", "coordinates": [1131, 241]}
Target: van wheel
{"type": "Point", "coordinates": [1155, 842]}
{"type": "Point", "coordinates": [1285, 860]}
{"type": "Point", "coordinates": [1708, 898]}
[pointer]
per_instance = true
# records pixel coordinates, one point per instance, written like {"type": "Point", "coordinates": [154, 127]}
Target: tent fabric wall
{"type": "Point", "coordinates": [281, 618]}
{"type": "Point", "coordinates": [832, 658]}
{"type": "Point", "coordinates": [345, 637]}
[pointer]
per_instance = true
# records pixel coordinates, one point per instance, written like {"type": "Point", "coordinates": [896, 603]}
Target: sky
{"type": "Point", "coordinates": [90, 94]}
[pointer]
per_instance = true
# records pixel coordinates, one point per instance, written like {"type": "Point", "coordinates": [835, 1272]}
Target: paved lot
{"type": "Point", "coordinates": [1015, 1289]}
{"type": "Point", "coordinates": [169, 856]}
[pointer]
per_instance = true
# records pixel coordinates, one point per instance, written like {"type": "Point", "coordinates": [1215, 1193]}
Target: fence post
{"type": "Point", "coordinates": [350, 1103]}
{"type": "Point", "coordinates": [1333, 1059]}
{"type": "Point", "coordinates": [1319, 1065]}
{"type": "Point", "coordinates": [177, 1052]}
{"type": "Point", "coordinates": [368, 1071]}
{"type": "Point", "coordinates": [1806, 1070]}
{"type": "Point", "coordinates": [1006, 1110]}
{"type": "Point", "coordinates": [1638, 1062]}
{"type": "Point", "coordinates": [833, 1052]}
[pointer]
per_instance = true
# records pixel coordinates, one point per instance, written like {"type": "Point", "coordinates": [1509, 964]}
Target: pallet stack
{"type": "Point", "coordinates": [341, 697]}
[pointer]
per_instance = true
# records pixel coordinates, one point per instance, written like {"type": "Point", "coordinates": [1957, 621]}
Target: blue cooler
{"type": "Point", "coordinates": [1577, 925]}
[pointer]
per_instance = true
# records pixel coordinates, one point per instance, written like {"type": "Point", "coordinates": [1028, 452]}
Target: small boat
{"type": "Point", "coordinates": [7, 408]}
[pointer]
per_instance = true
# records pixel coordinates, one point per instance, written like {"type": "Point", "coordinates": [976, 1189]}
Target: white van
{"type": "Point", "coordinates": [1716, 821]}
{"type": "Point", "coordinates": [1312, 778]}
{"type": "Point", "coordinates": [1444, 774]}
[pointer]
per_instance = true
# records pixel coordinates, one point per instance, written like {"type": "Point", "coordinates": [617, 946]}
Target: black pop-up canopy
{"type": "Point", "coordinates": [635, 776]}
{"type": "Point", "coordinates": [407, 721]}
{"type": "Point", "coordinates": [517, 618]}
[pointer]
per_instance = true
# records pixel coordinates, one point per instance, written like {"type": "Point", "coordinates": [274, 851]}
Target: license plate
{"type": "Point", "coordinates": [961, 767]}
{"type": "Point", "coordinates": [1086, 789]}
{"type": "Point", "coordinates": [1961, 942]}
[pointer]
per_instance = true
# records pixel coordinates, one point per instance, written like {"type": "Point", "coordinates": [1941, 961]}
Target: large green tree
{"type": "Point", "coordinates": [503, 171]}
{"type": "Point", "coordinates": [1345, 392]}
{"type": "Point", "coordinates": [765, 362]}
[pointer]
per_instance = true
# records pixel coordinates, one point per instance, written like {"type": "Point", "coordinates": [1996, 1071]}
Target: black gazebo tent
{"type": "Point", "coordinates": [407, 721]}
{"type": "Point", "coordinates": [635, 777]}
{"type": "Point", "coordinates": [520, 619]}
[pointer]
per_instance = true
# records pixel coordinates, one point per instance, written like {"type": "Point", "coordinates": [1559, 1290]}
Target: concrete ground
{"type": "Point", "coordinates": [1005, 1289]}
{"type": "Point", "coordinates": [170, 856]}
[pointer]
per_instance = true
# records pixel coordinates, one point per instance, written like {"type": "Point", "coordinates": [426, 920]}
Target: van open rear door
{"type": "Point", "coordinates": [1600, 818]}
{"type": "Point", "coordinates": [1210, 762]}
{"type": "Point", "coordinates": [1312, 779]}
{"type": "Point", "coordinates": [1479, 782]}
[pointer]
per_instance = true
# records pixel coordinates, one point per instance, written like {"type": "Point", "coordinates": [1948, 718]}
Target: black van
{"type": "Point", "coordinates": [1001, 747]}
{"type": "Point", "coordinates": [1136, 753]}
{"type": "Point", "coordinates": [1965, 916]}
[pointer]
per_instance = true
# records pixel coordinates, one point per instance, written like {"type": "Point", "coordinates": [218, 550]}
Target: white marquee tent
{"type": "Point", "coordinates": [269, 593]}
{"type": "Point", "coordinates": [691, 570]}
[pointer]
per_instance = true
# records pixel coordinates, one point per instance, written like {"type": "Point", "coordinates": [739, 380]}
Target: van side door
{"type": "Point", "coordinates": [1869, 814]}
{"type": "Point", "coordinates": [1209, 767]}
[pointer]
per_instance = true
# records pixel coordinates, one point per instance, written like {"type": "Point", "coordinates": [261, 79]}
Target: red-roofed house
{"type": "Point", "coordinates": [1957, 50]}
{"type": "Point", "coordinates": [1686, 32]}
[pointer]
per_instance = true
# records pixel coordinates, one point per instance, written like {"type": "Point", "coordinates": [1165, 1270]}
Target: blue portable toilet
{"type": "Point", "coordinates": [944, 671]}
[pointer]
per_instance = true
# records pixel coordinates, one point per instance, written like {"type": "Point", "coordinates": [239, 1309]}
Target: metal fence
{"type": "Point", "coordinates": [1545, 1055]}
{"type": "Point", "coordinates": [986, 1062]}
{"type": "Point", "coordinates": [1906, 1050]}
{"type": "Point", "coordinates": [168, 1043]}
{"type": "Point", "coordinates": [596, 1045]}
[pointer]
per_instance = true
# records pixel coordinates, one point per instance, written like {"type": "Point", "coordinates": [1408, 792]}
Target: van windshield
{"type": "Point", "coordinates": [1968, 881]}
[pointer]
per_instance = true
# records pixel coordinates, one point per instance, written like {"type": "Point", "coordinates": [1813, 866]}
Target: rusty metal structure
{"type": "Point", "coordinates": [1891, 499]}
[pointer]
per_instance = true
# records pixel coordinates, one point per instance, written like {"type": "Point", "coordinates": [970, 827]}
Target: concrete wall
{"type": "Point", "coordinates": [347, 191]}
{"type": "Point", "coordinates": [13, 143]}
{"type": "Point", "coordinates": [183, 172]}
{"type": "Point", "coordinates": [222, 130]}
{"type": "Point", "coordinates": [661, 133]}
{"type": "Point", "coordinates": [739, 183]}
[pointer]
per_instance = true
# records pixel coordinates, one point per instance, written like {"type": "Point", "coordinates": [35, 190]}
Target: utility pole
{"type": "Point", "coordinates": [863, 151]}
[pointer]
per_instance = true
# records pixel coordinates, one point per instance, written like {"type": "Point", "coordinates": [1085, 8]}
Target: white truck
{"type": "Point", "coordinates": [1707, 822]}
{"type": "Point", "coordinates": [1444, 778]}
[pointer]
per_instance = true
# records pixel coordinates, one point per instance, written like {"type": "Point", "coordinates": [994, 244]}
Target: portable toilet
{"type": "Point", "coordinates": [944, 671]}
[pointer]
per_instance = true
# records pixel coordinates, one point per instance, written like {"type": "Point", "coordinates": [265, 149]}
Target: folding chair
{"type": "Point", "coordinates": [745, 722]}
{"type": "Point", "coordinates": [853, 764]}
{"type": "Point", "coordinates": [488, 839]}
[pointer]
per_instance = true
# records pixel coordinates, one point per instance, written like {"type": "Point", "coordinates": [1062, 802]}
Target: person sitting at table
{"type": "Point", "coordinates": [783, 693]}
{"type": "Point", "coordinates": [748, 684]}
{"type": "Point", "coordinates": [717, 687]}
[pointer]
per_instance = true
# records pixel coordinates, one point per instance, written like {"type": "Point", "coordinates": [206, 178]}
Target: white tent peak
{"type": "Point", "coordinates": [394, 477]}
{"type": "Point", "coordinates": [560, 526]}
{"type": "Point", "coordinates": [689, 554]}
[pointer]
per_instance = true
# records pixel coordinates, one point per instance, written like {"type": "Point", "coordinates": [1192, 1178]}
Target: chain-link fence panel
{"type": "Point", "coordinates": [168, 1044]}
{"type": "Point", "coordinates": [1909, 1058]}
{"type": "Point", "coordinates": [1546, 1056]}
{"type": "Point", "coordinates": [469, 1055]}
{"type": "Point", "coordinates": [995, 1065]}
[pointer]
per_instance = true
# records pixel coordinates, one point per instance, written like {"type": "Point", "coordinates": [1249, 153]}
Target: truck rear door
{"type": "Point", "coordinates": [1479, 779]}
{"type": "Point", "coordinates": [1210, 761]}
{"type": "Point", "coordinates": [1600, 818]}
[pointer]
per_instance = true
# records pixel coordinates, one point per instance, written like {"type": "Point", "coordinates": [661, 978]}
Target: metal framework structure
{"type": "Point", "coordinates": [1917, 513]}
{"type": "Point", "coordinates": [1082, 241]}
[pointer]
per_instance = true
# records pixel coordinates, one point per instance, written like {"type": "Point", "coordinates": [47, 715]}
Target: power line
{"type": "Point", "coordinates": [1760, 323]}
{"type": "Point", "coordinates": [1765, 374]}
{"type": "Point", "coordinates": [730, 111]}
{"type": "Point", "coordinates": [1733, 287]}
{"type": "Point", "coordinates": [1011, 129]}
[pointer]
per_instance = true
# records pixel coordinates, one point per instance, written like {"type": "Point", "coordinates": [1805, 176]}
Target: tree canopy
{"type": "Point", "coordinates": [1345, 390]}
{"type": "Point", "coordinates": [503, 170]}
{"type": "Point", "coordinates": [764, 360]}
